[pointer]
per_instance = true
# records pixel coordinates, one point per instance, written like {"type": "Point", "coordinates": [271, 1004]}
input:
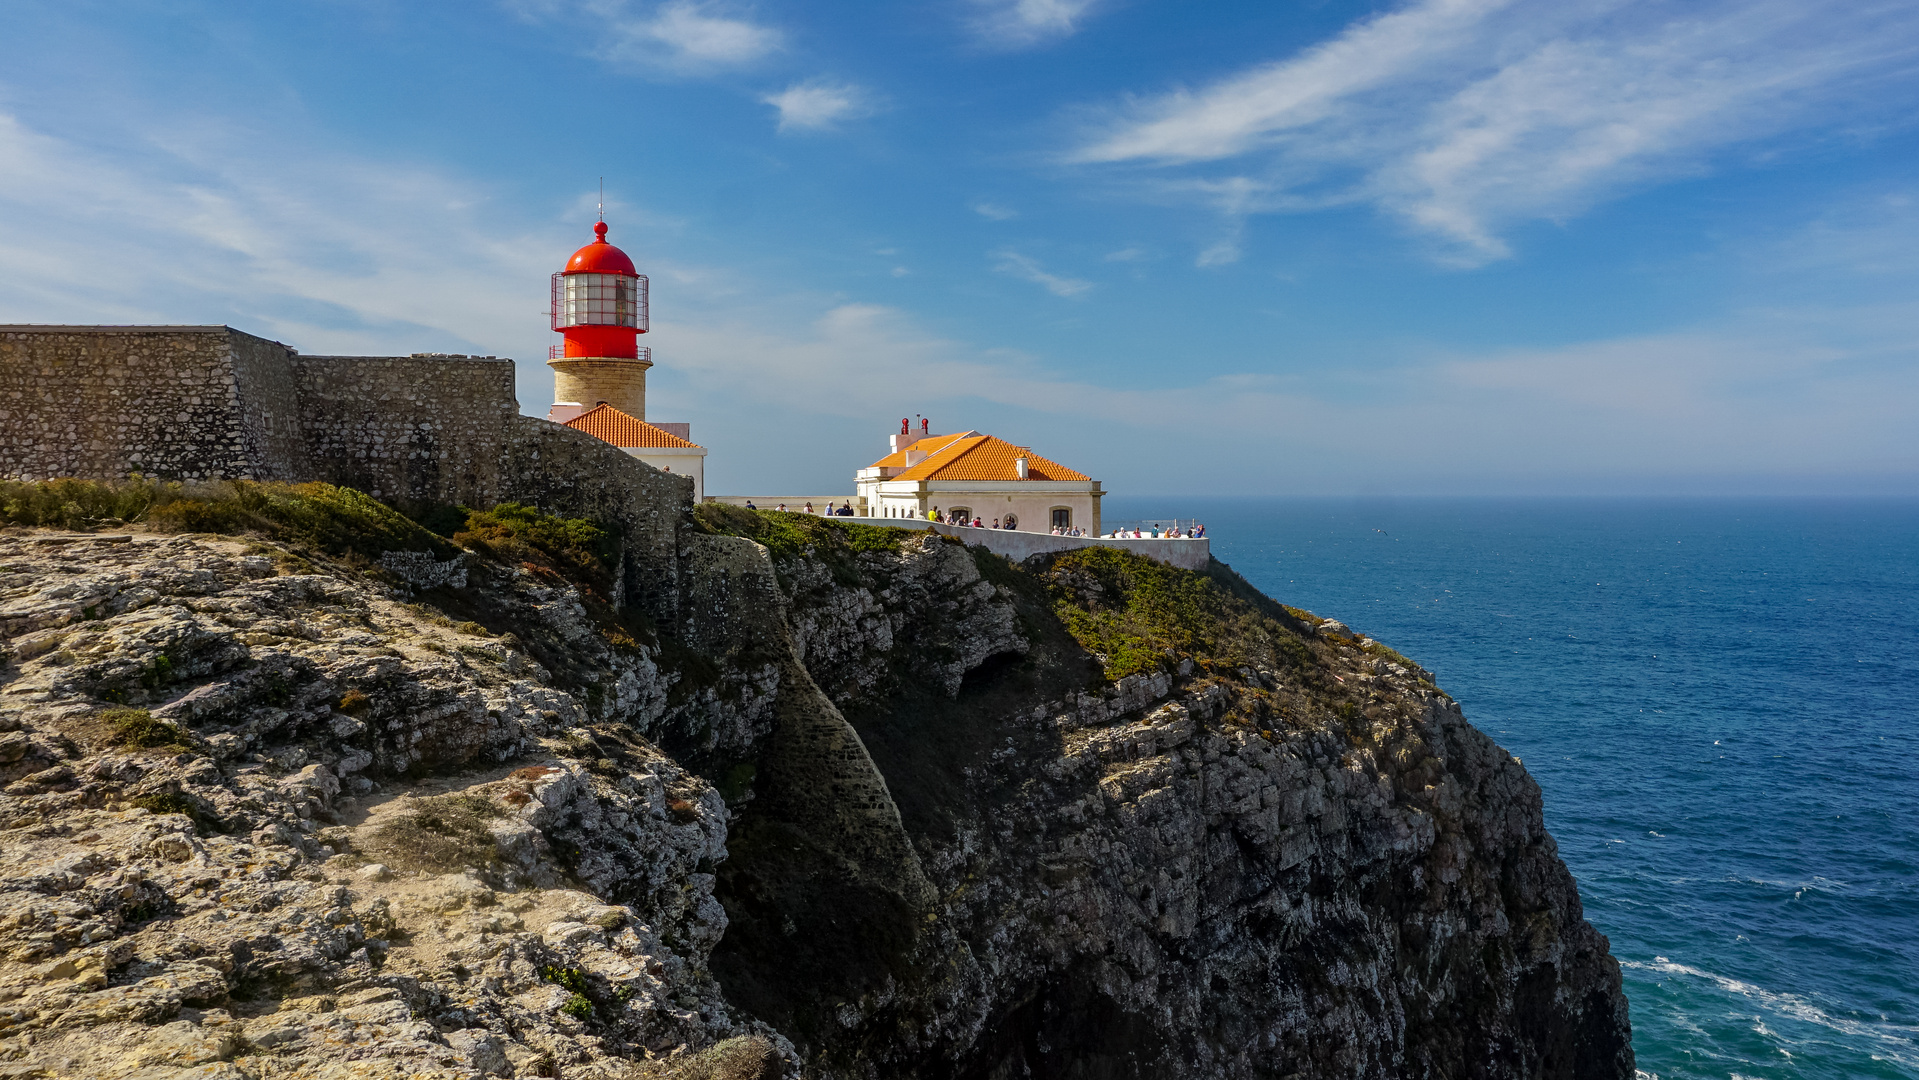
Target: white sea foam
{"type": "Point", "coordinates": [1896, 1042]}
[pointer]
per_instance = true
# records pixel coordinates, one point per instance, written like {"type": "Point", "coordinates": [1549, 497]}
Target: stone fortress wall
{"type": "Point", "coordinates": [214, 403]}
{"type": "Point", "coordinates": [106, 401]}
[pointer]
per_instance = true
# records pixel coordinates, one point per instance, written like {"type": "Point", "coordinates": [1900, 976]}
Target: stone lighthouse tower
{"type": "Point", "coordinates": [599, 305]}
{"type": "Point", "coordinates": [599, 375]}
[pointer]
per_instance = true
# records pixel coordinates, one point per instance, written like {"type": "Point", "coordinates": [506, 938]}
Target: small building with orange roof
{"type": "Point", "coordinates": [663, 446]}
{"type": "Point", "coordinates": [985, 477]}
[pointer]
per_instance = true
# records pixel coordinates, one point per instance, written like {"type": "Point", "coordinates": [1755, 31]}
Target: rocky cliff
{"type": "Point", "coordinates": [872, 805]}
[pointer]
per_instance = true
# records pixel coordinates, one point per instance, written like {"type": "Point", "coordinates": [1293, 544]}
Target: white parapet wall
{"type": "Point", "coordinates": [1187, 554]}
{"type": "Point", "coordinates": [793, 502]}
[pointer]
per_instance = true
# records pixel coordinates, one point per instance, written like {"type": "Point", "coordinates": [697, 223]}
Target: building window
{"type": "Point", "coordinates": [1062, 517]}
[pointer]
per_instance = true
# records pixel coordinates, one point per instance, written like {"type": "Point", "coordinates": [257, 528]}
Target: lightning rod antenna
{"type": "Point", "coordinates": [602, 206]}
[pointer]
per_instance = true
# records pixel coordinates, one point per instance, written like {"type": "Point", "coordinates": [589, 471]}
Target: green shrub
{"type": "Point", "coordinates": [575, 548]}
{"type": "Point", "coordinates": [81, 504]}
{"type": "Point", "coordinates": [568, 978]}
{"type": "Point", "coordinates": [169, 802]}
{"type": "Point", "coordinates": [336, 520]}
{"type": "Point", "coordinates": [788, 536]}
{"type": "Point", "coordinates": [1133, 611]}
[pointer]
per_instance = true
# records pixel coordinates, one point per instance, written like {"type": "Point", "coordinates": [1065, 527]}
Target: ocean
{"type": "Point", "coordinates": [1720, 700]}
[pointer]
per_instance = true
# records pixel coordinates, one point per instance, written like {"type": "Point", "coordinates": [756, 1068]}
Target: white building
{"type": "Point", "coordinates": [659, 445]}
{"type": "Point", "coordinates": [981, 476]}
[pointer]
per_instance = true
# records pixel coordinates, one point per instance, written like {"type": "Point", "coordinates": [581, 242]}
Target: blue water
{"type": "Point", "coordinates": [1721, 702]}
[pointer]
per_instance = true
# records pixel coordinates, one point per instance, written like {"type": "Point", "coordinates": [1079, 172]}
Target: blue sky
{"type": "Point", "coordinates": [1439, 246]}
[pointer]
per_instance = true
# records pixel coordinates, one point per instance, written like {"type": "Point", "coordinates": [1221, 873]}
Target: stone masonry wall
{"type": "Point", "coordinates": [108, 401]}
{"type": "Point", "coordinates": [408, 429]}
{"type": "Point", "coordinates": [211, 403]}
{"type": "Point", "coordinates": [569, 472]}
{"type": "Point", "coordinates": [267, 398]}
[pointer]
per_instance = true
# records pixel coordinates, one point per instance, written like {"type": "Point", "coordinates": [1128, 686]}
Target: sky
{"type": "Point", "coordinates": [1434, 247]}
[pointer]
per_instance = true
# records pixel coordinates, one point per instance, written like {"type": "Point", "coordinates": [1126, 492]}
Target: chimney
{"type": "Point", "coordinates": [1019, 465]}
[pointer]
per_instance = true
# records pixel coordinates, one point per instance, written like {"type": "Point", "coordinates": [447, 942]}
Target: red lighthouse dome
{"type": "Point", "coordinates": [599, 302]}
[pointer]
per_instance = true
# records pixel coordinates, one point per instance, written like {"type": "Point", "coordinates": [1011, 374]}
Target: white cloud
{"type": "Point", "coordinates": [677, 37]}
{"type": "Point", "coordinates": [1026, 269]}
{"type": "Point", "coordinates": [1461, 117]}
{"type": "Point", "coordinates": [1752, 405]}
{"type": "Point", "coordinates": [330, 252]}
{"type": "Point", "coordinates": [711, 38]}
{"type": "Point", "coordinates": [994, 212]}
{"type": "Point", "coordinates": [1223, 253]}
{"type": "Point", "coordinates": [819, 104]}
{"type": "Point", "coordinates": [1131, 254]}
{"type": "Point", "coordinates": [1020, 24]}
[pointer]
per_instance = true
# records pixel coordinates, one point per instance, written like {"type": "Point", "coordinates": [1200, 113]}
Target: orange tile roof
{"type": "Point", "coordinates": [983, 457]}
{"type": "Point", "coordinates": [627, 432]}
{"type": "Point", "coordinates": [931, 444]}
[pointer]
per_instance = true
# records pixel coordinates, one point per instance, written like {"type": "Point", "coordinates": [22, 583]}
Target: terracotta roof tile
{"type": "Point", "coordinates": [627, 432]}
{"type": "Point", "coordinates": [928, 445]}
{"type": "Point", "coordinates": [983, 457]}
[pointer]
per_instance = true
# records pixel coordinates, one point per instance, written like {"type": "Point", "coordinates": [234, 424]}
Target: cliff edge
{"type": "Point", "coordinates": [306, 789]}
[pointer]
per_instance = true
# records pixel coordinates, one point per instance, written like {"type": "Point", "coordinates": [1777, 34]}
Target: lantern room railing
{"type": "Point", "coordinates": [599, 300]}
{"type": "Point", "coordinates": [558, 352]}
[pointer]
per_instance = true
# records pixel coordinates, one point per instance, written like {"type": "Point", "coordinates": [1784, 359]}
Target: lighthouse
{"type": "Point", "coordinates": [599, 308]}
{"type": "Point", "coordinates": [599, 371]}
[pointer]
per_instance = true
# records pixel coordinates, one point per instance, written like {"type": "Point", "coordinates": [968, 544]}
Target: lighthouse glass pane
{"type": "Point", "coordinates": [603, 300]}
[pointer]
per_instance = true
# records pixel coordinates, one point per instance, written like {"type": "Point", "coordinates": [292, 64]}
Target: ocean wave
{"type": "Point", "coordinates": [1898, 1043]}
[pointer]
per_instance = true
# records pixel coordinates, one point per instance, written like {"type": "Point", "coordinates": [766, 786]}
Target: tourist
{"type": "Point", "coordinates": [750, 506]}
{"type": "Point", "coordinates": [933, 514]}
{"type": "Point", "coordinates": [782, 508]}
{"type": "Point", "coordinates": [1199, 531]}
{"type": "Point", "coordinates": [809, 507]}
{"type": "Point", "coordinates": [995, 523]}
{"type": "Point", "coordinates": [976, 524]}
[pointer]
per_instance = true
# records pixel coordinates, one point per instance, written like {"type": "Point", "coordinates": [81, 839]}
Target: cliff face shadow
{"type": "Point", "coordinates": [1064, 1031]}
{"type": "Point", "coordinates": [808, 931]}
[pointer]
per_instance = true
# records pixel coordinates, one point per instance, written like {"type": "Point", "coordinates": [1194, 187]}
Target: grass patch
{"type": "Point", "coordinates": [322, 517]}
{"type": "Point", "coordinates": [170, 802]}
{"type": "Point", "coordinates": [574, 548]}
{"type": "Point", "coordinates": [1138, 615]}
{"type": "Point", "coordinates": [441, 835]}
{"type": "Point", "coordinates": [136, 729]}
{"type": "Point", "coordinates": [743, 1057]}
{"type": "Point", "coordinates": [790, 536]}
{"type": "Point", "coordinates": [80, 505]}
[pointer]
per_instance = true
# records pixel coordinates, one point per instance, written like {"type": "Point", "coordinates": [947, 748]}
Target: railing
{"type": "Point", "coordinates": [1145, 527]}
{"type": "Point", "coordinates": [558, 352]}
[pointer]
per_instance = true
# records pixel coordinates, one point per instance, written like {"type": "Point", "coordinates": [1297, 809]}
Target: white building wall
{"type": "Point", "coordinates": [1032, 502]}
{"type": "Point", "coordinates": [678, 460]}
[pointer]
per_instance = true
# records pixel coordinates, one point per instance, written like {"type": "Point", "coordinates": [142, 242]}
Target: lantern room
{"type": "Point", "coordinates": [599, 302]}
